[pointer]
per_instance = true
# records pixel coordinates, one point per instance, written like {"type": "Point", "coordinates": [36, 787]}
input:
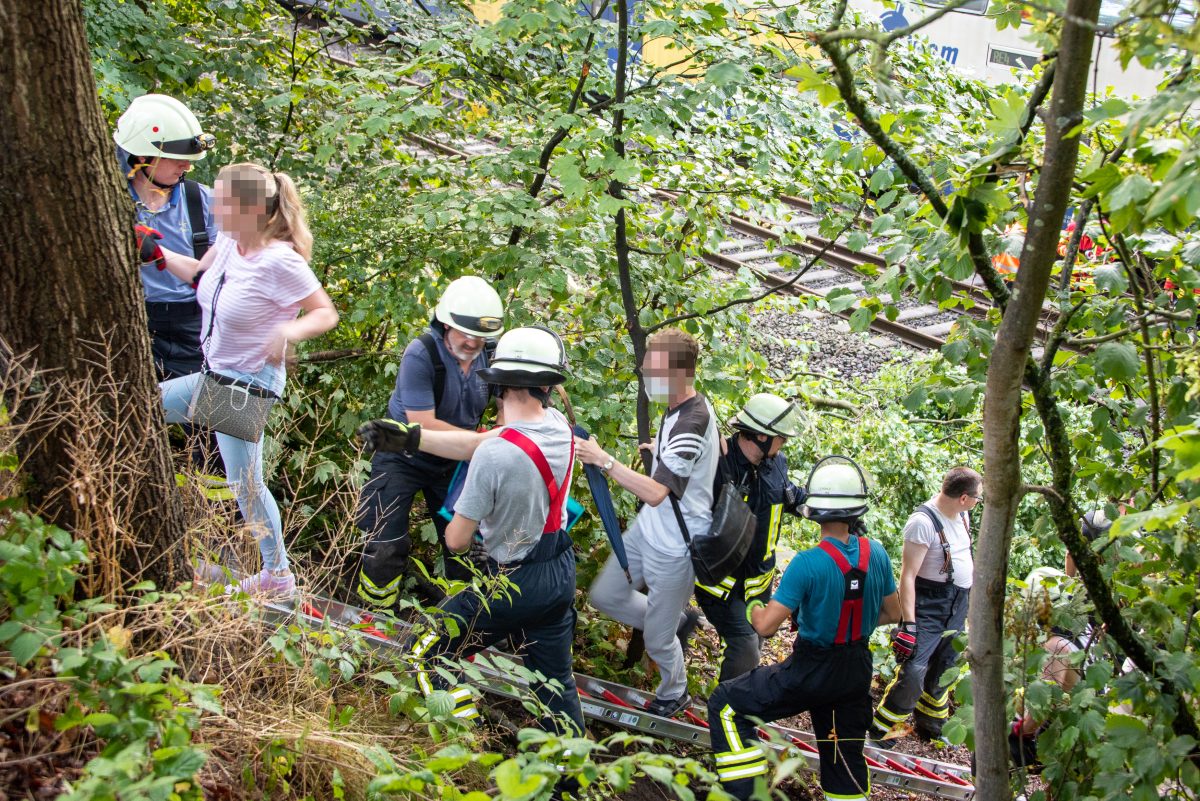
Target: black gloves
{"type": "Point", "coordinates": [793, 499]}
{"type": "Point", "coordinates": [390, 436]}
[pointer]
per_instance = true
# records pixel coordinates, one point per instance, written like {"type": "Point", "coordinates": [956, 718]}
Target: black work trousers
{"type": "Point", "coordinates": [538, 614]}
{"type": "Point", "coordinates": [383, 515]}
{"type": "Point", "coordinates": [741, 647]}
{"type": "Point", "coordinates": [918, 687]}
{"type": "Point", "coordinates": [175, 338]}
{"type": "Point", "coordinates": [831, 683]}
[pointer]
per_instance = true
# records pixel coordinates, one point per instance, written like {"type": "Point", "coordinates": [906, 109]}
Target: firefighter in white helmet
{"type": "Point", "coordinates": [438, 386]}
{"type": "Point", "coordinates": [158, 140]}
{"type": "Point", "coordinates": [753, 460]}
{"type": "Point", "coordinates": [837, 593]}
{"type": "Point", "coordinates": [515, 497]}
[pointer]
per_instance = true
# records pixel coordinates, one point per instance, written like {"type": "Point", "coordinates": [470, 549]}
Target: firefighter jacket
{"type": "Point", "coordinates": [769, 493]}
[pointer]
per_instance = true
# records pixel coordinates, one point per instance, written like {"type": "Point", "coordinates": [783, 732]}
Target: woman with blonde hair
{"type": "Point", "coordinates": [251, 285]}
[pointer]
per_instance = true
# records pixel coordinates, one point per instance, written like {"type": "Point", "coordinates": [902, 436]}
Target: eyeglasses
{"type": "Point", "coordinates": [976, 497]}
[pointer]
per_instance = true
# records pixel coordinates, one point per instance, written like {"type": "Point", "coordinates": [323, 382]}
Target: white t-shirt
{"type": "Point", "coordinates": [259, 293]}
{"type": "Point", "coordinates": [919, 529]}
{"type": "Point", "coordinates": [685, 461]}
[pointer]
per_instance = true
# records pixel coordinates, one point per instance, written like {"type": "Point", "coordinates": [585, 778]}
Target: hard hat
{"type": "Point", "coordinates": [1094, 524]}
{"type": "Point", "coordinates": [527, 357]}
{"type": "Point", "coordinates": [160, 126]}
{"type": "Point", "coordinates": [837, 491]}
{"type": "Point", "coordinates": [470, 305]}
{"type": "Point", "coordinates": [768, 414]}
{"type": "Point", "coordinates": [1048, 584]}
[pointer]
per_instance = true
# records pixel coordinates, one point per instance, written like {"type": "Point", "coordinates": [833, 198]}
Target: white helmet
{"type": "Point", "coordinates": [1048, 584]}
{"type": "Point", "coordinates": [836, 491]}
{"type": "Point", "coordinates": [527, 357]}
{"type": "Point", "coordinates": [160, 126]}
{"type": "Point", "coordinates": [470, 305]}
{"type": "Point", "coordinates": [768, 414]}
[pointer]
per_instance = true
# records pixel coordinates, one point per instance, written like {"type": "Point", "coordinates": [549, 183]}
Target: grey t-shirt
{"type": "Point", "coordinates": [504, 490]}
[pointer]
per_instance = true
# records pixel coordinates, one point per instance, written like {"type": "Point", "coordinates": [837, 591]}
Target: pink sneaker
{"type": "Point", "coordinates": [268, 582]}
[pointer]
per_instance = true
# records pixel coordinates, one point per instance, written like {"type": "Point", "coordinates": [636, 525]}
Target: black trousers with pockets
{"type": "Point", "coordinates": [538, 614]}
{"type": "Point", "coordinates": [832, 683]}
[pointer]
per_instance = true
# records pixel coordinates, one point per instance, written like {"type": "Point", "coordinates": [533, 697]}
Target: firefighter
{"type": "Point", "coordinates": [158, 140]}
{"type": "Point", "coordinates": [439, 387]}
{"type": "Point", "coordinates": [935, 584]}
{"type": "Point", "coordinates": [752, 459]}
{"type": "Point", "coordinates": [837, 593]}
{"type": "Point", "coordinates": [515, 497]}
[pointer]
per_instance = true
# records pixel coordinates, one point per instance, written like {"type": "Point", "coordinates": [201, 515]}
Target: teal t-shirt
{"type": "Point", "coordinates": [813, 586]}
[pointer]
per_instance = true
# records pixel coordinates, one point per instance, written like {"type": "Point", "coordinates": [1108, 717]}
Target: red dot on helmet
{"type": "Point", "coordinates": [156, 129]}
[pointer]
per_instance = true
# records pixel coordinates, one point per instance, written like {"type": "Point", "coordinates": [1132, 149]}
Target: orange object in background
{"type": "Point", "coordinates": [1008, 259]}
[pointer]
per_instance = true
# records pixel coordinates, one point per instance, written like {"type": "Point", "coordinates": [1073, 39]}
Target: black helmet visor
{"type": "Point", "coordinates": [187, 147]}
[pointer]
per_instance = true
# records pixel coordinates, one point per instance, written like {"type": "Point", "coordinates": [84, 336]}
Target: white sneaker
{"type": "Point", "coordinates": [270, 583]}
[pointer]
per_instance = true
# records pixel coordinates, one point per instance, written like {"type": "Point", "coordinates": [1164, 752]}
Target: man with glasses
{"type": "Point", "coordinates": [935, 583]}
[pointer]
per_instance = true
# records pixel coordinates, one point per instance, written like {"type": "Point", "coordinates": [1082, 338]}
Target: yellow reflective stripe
{"type": "Point", "coordinates": [931, 712]}
{"type": "Point", "coordinates": [773, 528]}
{"type": "Point", "coordinates": [931, 701]}
{"type": "Point", "coordinates": [721, 590]}
{"type": "Point", "coordinates": [731, 732]}
{"type": "Point", "coordinates": [888, 716]}
{"type": "Point", "coordinates": [419, 650]}
{"type": "Point", "coordinates": [731, 757]}
{"type": "Point", "coordinates": [756, 584]}
{"type": "Point", "coordinates": [733, 774]}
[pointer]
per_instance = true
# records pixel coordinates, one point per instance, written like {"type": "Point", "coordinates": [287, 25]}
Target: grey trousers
{"type": "Point", "coordinates": [654, 603]}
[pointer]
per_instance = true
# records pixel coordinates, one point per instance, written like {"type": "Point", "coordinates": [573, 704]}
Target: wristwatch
{"type": "Point", "coordinates": [604, 468]}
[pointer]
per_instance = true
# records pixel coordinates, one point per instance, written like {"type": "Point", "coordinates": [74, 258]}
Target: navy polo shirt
{"type": "Point", "coordinates": [464, 398]}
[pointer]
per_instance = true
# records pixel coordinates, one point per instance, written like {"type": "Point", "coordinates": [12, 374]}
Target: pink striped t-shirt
{"type": "Point", "coordinates": [260, 293]}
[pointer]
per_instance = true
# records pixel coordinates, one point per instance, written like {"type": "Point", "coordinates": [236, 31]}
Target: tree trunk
{"type": "Point", "coordinates": [99, 464]}
{"type": "Point", "coordinates": [617, 190]}
{"type": "Point", "coordinates": [1002, 412]}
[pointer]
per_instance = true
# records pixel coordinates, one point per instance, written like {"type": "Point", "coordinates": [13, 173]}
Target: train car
{"type": "Point", "coordinates": [967, 38]}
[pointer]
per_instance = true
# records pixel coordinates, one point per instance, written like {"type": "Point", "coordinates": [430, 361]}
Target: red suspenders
{"type": "Point", "coordinates": [558, 494]}
{"type": "Point", "coordinates": [849, 627]}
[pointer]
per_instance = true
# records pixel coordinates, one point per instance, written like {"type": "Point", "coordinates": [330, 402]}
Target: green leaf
{"type": "Point", "coordinates": [512, 787]}
{"type": "Point", "coordinates": [1117, 360]}
{"type": "Point", "coordinates": [861, 319]}
{"type": "Point", "coordinates": [724, 73]}
{"type": "Point", "coordinates": [24, 647]}
{"type": "Point", "coordinates": [841, 299]}
{"type": "Point", "coordinates": [1132, 189]}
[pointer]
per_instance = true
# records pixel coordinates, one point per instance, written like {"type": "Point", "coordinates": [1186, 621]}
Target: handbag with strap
{"type": "Point", "coordinates": [229, 406]}
{"type": "Point", "coordinates": [717, 553]}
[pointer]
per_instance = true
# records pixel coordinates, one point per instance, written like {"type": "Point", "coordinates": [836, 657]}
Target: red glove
{"type": "Point", "coordinates": [148, 249]}
{"type": "Point", "coordinates": [904, 641]}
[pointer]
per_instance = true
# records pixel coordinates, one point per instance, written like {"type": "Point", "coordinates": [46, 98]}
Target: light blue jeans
{"type": "Point", "coordinates": [243, 461]}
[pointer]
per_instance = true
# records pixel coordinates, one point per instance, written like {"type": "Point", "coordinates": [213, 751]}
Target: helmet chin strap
{"type": "Point", "coordinates": [161, 188]}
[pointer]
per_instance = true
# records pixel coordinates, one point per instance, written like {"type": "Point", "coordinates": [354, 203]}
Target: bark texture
{"type": "Point", "coordinates": [1002, 414]}
{"type": "Point", "coordinates": [98, 464]}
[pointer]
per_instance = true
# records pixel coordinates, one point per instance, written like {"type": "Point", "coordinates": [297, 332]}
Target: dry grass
{"type": "Point", "coordinates": [281, 733]}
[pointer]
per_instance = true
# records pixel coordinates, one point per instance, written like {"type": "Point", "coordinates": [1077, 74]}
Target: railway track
{"type": "Point", "coordinates": [759, 244]}
{"type": "Point", "coordinates": [618, 705]}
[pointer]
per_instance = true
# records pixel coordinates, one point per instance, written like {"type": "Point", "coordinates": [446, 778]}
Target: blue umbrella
{"type": "Point", "coordinates": [598, 484]}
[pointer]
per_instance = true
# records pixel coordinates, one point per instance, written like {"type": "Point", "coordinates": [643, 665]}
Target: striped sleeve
{"type": "Point", "coordinates": [684, 445]}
